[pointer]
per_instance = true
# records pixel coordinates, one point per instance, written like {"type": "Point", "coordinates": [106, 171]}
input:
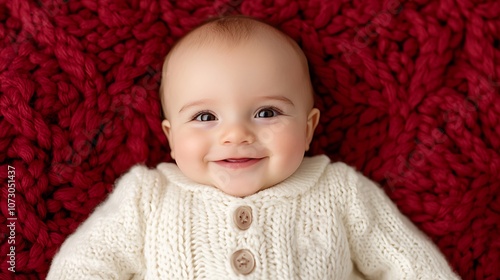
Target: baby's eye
{"type": "Point", "coordinates": [205, 117]}
{"type": "Point", "coordinates": [267, 113]}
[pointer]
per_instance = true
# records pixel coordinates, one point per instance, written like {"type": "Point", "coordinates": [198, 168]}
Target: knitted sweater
{"type": "Point", "coordinates": [326, 221]}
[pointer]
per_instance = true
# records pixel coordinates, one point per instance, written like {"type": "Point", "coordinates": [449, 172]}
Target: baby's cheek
{"type": "Point", "coordinates": [291, 139]}
{"type": "Point", "coordinates": [190, 152]}
{"type": "Point", "coordinates": [289, 147]}
{"type": "Point", "coordinates": [190, 146]}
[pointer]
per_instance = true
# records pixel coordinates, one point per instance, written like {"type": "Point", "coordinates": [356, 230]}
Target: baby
{"type": "Point", "coordinates": [242, 202]}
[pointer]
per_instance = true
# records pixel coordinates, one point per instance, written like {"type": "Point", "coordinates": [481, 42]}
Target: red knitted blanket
{"type": "Point", "coordinates": [409, 93]}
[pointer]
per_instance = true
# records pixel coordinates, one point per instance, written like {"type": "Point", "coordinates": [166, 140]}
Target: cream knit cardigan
{"type": "Point", "coordinates": [326, 221]}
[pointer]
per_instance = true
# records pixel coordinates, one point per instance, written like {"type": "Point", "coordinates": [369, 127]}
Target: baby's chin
{"type": "Point", "coordinates": [245, 187]}
{"type": "Point", "coordinates": [233, 185]}
{"type": "Point", "coordinates": [240, 189]}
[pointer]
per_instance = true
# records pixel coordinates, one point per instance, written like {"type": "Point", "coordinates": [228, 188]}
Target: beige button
{"type": "Point", "coordinates": [243, 217]}
{"type": "Point", "coordinates": [243, 262]}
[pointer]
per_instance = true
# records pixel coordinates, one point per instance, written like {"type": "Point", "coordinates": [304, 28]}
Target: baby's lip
{"type": "Point", "coordinates": [238, 159]}
{"type": "Point", "coordinates": [236, 163]}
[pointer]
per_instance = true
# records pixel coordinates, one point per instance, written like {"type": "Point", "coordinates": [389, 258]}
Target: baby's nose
{"type": "Point", "coordinates": [237, 133]}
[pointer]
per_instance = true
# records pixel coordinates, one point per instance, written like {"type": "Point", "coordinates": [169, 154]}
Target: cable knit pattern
{"type": "Point", "coordinates": [157, 224]}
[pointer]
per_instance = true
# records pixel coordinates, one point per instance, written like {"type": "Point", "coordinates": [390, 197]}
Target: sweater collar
{"type": "Point", "coordinates": [306, 176]}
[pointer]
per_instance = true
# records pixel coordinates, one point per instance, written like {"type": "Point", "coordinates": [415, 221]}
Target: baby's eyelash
{"type": "Point", "coordinates": [276, 110]}
{"type": "Point", "coordinates": [213, 117]}
{"type": "Point", "coordinates": [197, 115]}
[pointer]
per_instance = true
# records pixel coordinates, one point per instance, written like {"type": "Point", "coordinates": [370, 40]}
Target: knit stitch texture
{"type": "Point", "coordinates": [158, 224]}
{"type": "Point", "coordinates": [409, 94]}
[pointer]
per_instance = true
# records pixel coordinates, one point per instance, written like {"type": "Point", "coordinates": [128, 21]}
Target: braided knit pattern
{"type": "Point", "coordinates": [409, 94]}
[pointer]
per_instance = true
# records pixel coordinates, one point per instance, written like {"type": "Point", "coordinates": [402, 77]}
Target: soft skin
{"type": "Point", "coordinates": [239, 118]}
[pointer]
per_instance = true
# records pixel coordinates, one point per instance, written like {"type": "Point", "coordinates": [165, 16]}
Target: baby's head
{"type": "Point", "coordinates": [238, 103]}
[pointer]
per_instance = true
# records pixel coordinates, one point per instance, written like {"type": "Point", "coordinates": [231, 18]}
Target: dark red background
{"type": "Point", "coordinates": [409, 93]}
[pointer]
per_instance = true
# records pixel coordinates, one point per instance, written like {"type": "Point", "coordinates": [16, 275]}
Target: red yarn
{"type": "Point", "coordinates": [409, 94]}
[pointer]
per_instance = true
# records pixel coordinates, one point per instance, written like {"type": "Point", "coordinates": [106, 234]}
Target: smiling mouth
{"type": "Point", "coordinates": [236, 163]}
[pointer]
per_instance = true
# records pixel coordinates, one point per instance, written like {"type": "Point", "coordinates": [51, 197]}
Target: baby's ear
{"type": "Point", "coordinates": [167, 129]}
{"type": "Point", "coordinates": [312, 122]}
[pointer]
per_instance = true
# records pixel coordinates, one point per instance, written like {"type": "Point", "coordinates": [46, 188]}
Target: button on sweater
{"type": "Point", "coordinates": [326, 221]}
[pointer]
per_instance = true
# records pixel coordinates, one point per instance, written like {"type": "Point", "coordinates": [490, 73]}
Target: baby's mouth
{"type": "Point", "coordinates": [237, 159]}
{"type": "Point", "coordinates": [236, 163]}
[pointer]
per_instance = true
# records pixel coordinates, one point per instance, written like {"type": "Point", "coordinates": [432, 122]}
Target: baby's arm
{"type": "Point", "coordinates": [109, 244]}
{"type": "Point", "coordinates": [384, 243]}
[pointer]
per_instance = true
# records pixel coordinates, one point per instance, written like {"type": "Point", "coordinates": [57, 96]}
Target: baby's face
{"type": "Point", "coordinates": [238, 118]}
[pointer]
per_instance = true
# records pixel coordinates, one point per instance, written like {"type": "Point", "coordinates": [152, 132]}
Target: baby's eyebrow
{"type": "Point", "coordinates": [279, 98]}
{"type": "Point", "coordinates": [205, 101]}
{"type": "Point", "coordinates": [194, 103]}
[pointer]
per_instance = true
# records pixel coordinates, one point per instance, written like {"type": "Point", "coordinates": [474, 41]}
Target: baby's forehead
{"type": "Point", "coordinates": [225, 38]}
{"type": "Point", "coordinates": [206, 38]}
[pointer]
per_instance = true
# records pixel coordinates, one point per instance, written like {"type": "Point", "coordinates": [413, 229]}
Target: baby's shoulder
{"type": "Point", "coordinates": [143, 185]}
{"type": "Point", "coordinates": [143, 172]}
{"type": "Point", "coordinates": [141, 182]}
{"type": "Point", "coordinates": [341, 172]}
{"type": "Point", "coordinates": [333, 175]}
{"type": "Point", "coordinates": [340, 180]}
{"type": "Point", "coordinates": [142, 175]}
